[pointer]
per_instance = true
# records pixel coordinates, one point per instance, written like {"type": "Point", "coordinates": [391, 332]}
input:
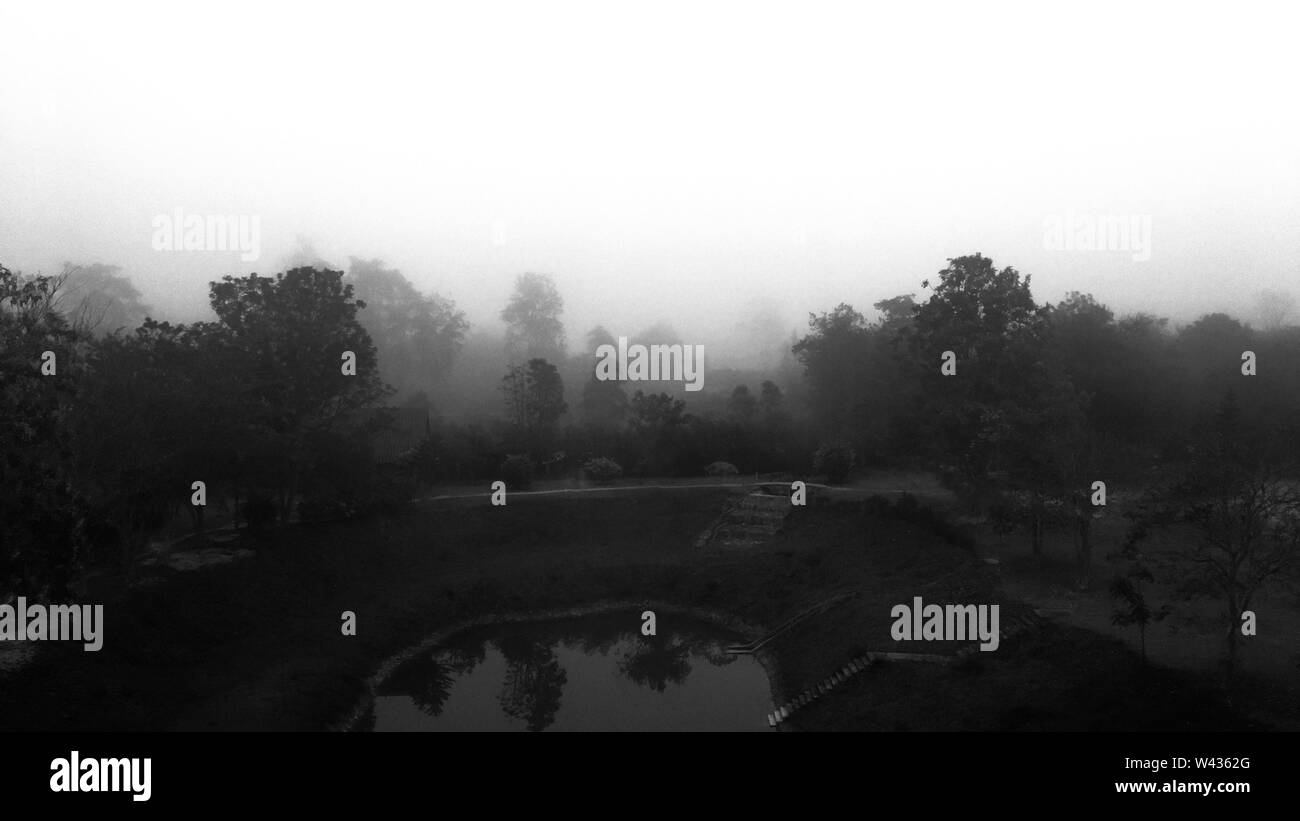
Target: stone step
{"type": "Point", "coordinates": [746, 531]}
{"type": "Point", "coordinates": [755, 517]}
{"type": "Point", "coordinates": [736, 543]}
{"type": "Point", "coordinates": [756, 501]}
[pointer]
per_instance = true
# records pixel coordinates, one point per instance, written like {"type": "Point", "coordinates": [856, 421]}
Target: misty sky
{"type": "Point", "coordinates": [689, 162]}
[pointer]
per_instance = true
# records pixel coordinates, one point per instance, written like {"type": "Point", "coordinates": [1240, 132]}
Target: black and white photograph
{"type": "Point", "coordinates": [895, 370]}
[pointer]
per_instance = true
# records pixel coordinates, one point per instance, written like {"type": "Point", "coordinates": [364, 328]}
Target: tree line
{"type": "Point", "coordinates": [1018, 405]}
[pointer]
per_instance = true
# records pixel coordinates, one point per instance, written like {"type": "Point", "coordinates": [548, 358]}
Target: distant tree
{"type": "Point", "coordinates": [98, 299]}
{"type": "Point", "coordinates": [771, 406]}
{"type": "Point", "coordinates": [835, 357]}
{"type": "Point", "coordinates": [760, 331]}
{"type": "Point", "coordinates": [1084, 344]}
{"type": "Point", "coordinates": [1274, 309]}
{"type": "Point", "coordinates": [742, 404]}
{"type": "Point", "coordinates": [770, 400]}
{"type": "Point", "coordinates": [1214, 342]}
{"type": "Point", "coordinates": [534, 399]}
{"type": "Point", "coordinates": [1151, 394]}
{"type": "Point", "coordinates": [532, 317]}
{"type": "Point", "coordinates": [305, 255]}
{"type": "Point", "coordinates": [859, 384]}
{"type": "Point", "coordinates": [604, 404]}
{"type": "Point", "coordinates": [598, 336]}
{"type": "Point", "coordinates": [659, 426]}
{"type": "Point", "coordinates": [656, 412]}
{"type": "Point", "coordinates": [416, 336]}
{"type": "Point", "coordinates": [896, 313]}
{"type": "Point", "coordinates": [660, 333]}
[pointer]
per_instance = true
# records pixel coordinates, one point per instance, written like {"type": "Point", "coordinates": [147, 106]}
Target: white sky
{"type": "Point", "coordinates": [688, 162]}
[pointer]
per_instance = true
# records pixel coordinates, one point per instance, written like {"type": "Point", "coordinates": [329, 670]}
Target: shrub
{"type": "Point", "coordinates": [326, 510]}
{"type": "Point", "coordinates": [835, 460]}
{"type": "Point", "coordinates": [721, 469]}
{"type": "Point", "coordinates": [907, 509]}
{"type": "Point", "coordinates": [603, 469]}
{"type": "Point", "coordinates": [517, 470]}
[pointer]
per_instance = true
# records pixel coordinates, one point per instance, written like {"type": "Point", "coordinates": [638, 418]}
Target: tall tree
{"type": "Point", "coordinates": [535, 400]}
{"type": "Point", "coordinates": [292, 333]}
{"type": "Point", "coordinates": [170, 394]}
{"type": "Point", "coordinates": [771, 402]}
{"type": "Point", "coordinates": [416, 336]}
{"type": "Point", "coordinates": [40, 510]}
{"type": "Point", "coordinates": [532, 317]}
{"type": "Point", "coordinates": [835, 356]}
{"type": "Point", "coordinates": [988, 319]}
{"type": "Point", "coordinates": [1237, 497]}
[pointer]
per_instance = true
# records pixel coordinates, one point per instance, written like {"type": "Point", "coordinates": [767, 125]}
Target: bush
{"type": "Point", "coordinates": [721, 469]}
{"type": "Point", "coordinates": [603, 469]}
{"type": "Point", "coordinates": [835, 460]}
{"type": "Point", "coordinates": [517, 470]}
{"type": "Point", "coordinates": [907, 509]}
{"type": "Point", "coordinates": [326, 510]}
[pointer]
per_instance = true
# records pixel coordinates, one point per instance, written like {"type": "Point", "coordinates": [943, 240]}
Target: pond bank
{"type": "Point", "coordinates": [256, 644]}
{"type": "Point", "coordinates": [357, 718]}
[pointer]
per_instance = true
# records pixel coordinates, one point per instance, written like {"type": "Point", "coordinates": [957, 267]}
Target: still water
{"type": "Point", "coordinates": [590, 673]}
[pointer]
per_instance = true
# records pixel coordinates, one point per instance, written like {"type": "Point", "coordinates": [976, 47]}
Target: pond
{"type": "Point", "coordinates": [592, 673]}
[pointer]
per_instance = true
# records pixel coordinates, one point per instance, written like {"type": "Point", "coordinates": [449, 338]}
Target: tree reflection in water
{"type": "Point", "coordinates": [427, 679]}
{"type": "Point", "coordinates": [654, 662]}
{"type": "Point", "coordinates": [533, 682]}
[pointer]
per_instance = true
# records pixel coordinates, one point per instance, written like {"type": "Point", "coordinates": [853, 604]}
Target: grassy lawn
{"type": "Point", "coordinates": [256, 644]}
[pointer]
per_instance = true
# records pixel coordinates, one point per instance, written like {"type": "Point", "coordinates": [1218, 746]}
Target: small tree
{"type": "Point", "coordinates": [1133, 608]}
{"type": "Point", "coordinates": [1244, 513]}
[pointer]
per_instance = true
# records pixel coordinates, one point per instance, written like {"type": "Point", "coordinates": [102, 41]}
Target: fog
{"type": "Point", "coordinates": [696, 166]}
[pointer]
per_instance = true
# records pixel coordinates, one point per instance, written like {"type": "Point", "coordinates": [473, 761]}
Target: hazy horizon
{"type": "Point", "coordinates": [697, 166]}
